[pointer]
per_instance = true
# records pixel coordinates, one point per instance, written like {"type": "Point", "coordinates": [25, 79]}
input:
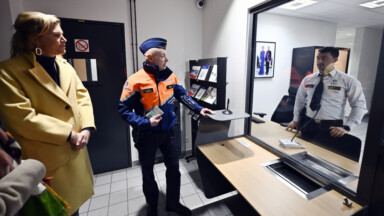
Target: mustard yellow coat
{"type": "Point", "coordinates": [41, 115]}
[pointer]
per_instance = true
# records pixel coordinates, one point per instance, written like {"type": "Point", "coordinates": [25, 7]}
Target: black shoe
{"type": "Point", "coordinates": [179, 209]}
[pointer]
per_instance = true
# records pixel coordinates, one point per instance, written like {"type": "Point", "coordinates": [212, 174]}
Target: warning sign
{"type": "Point", "coordinates": [81, 45]}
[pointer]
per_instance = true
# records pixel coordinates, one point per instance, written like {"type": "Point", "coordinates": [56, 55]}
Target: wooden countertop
{"type": "Point", "coordinates": [270, 133]}
{"type": "Point", "coordinates": [241, 165]}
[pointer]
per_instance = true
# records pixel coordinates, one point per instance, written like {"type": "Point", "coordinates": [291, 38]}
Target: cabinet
{"type": "Point", "coordinates": [220, 85]}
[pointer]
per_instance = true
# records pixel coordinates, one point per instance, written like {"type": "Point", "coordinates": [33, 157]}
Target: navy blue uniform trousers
{"type": "Point", "coordinates": [319, 133]}
{"type": "Point", "coordinates": [147, 142]}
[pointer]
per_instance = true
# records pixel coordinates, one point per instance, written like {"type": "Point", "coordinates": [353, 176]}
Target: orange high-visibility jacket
{"type": "Point", "coordinates": [149, 88]}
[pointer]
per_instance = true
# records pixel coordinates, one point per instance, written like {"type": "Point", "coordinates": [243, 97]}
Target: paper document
{"type": "Point", "coordinates": [287, 143]}
{"type": "Point", "coordinates": [155, 111]}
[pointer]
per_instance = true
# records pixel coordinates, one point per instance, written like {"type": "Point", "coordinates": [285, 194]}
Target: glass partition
{"type": "Point", "coordinates": [297, 36]}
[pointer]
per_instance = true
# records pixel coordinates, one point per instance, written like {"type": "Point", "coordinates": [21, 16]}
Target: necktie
{"type": "Point", "coordinates": [316, 97]}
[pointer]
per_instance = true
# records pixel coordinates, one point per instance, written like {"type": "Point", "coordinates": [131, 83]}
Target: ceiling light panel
{"type": "Point", "coordinates": [296, 4]}
{"type": "Point", "coordinates": [373, 4]}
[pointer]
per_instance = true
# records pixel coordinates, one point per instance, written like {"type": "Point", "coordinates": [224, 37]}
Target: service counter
{"type": "Point", "coordinates": [241, 162]}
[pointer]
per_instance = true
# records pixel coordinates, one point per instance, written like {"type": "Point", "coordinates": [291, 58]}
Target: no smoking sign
{"type": "Point", "coordinates": [81, 45]}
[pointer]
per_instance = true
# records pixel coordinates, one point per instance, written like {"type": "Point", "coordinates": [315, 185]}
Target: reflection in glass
{"type": "Point", "coordinates": [309, 28]}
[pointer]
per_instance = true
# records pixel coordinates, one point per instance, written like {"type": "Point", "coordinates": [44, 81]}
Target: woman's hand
{"type": "Point", "coordinates": [80, 140]}
{"type": "Point", "coordinates": [5, 161]}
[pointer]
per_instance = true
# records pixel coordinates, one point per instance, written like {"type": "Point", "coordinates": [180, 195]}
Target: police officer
{"type": "Point", "coordinates": [151, 92]}
{"type": "Point", "coordinates": [329, 110]}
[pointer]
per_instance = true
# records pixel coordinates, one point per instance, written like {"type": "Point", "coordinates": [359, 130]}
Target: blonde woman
{"type": "Point", "coordinates": [46, 108]}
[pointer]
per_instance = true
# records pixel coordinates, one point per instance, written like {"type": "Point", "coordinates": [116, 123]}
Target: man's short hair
{"type": "Point", "coordinates": [152, 51]}
{"type": "Point", "coordinates": [334, 51]}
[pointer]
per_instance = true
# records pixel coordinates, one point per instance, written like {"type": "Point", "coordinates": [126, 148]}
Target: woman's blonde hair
{"type": "Point", "coordinates": [30, 25]}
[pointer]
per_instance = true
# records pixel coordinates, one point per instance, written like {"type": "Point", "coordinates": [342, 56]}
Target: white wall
{"type": "Point", "coordinates": [288, 33]}
{"type": "Point", "coordinates": [180, 22]}
{"type": "Point", "coordinates": [365, 62]}
{"type": "Point", "coordinates": [225, 33]}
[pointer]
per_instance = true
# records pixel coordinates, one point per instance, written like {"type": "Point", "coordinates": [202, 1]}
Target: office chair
{"type": "Point", "coordinates": [348, 145]}
{"type": "Point", "coordinates": [256, 120]}
{"type": "Point", "coordinates": [284, 111]}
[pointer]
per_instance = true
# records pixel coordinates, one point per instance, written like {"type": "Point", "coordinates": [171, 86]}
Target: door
{"type": "Point", "coordinates": [97, 52]}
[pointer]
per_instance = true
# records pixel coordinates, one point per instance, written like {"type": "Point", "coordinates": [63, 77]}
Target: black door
{"type": "Point", "coordinates": [97, 51]}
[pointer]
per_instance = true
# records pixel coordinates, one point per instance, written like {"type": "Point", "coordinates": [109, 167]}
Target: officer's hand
{"type": "Point", "coordinates": [337, 131]}
{"type": "Point", "coordinates": [155, 120]}
{"type": "Point", "coordinates": [292, 126]}
{"type": "Point", "coordinates": [206, 110]}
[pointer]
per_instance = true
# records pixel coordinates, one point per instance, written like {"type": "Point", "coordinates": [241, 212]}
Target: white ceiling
{"type": "Point", "coordinates": [346, 13]}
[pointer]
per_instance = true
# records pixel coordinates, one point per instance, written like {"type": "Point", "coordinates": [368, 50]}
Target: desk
{"type": "Point", "coordinates": [270, 133]}
{"type": "Point", "coordinates": [240, 165]}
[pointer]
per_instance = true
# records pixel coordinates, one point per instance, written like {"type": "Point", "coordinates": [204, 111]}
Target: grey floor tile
{"type": "Point", "coordinates": [102, 190]}
{"type": "Point", "coordinates": [99, 202]}
{"type": "Point", "coordinates": [100, 180]}
{"type": "Point", "coordinates": [184, 179]}
{"type": "Point", "coordinates": [119, 185]}
{"type": "Point", "coordinates": [193, 201]}
{"type": "Point", "coordinates": [159, 167]}
{"type": "Point", "coordinates": [133, 172]}
{"type": "Point", "coordinates": [99, 212]}
{"type": "Point", "coordinates": [135, 192]}
{"type": "Point", "coordinates": [135, 181]}
{"type": "Point", "coordinates": [119, 175]}
{"type": "Point", "coordinates": [118, 197]}
{"type": "Point", "coordinates": [136, 205]}
{"type": "Point", "coordinates": [190, 168]}
{"type": "Point", "coordinates": [160, 175]}
{"type": "Point", "coordinates": [120, 193]}
{"type": "Point", "coordinates": [162, 184]}
{"type": "Point", "coordinates": [198, 185]}
{"type": "Point", "coordinates": [187, 190]}
{"type": "Point", "coordinates": [120, 209]}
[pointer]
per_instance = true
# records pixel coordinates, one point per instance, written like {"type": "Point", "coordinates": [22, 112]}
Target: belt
{"type": "Point", "coordinates": [327, 122]}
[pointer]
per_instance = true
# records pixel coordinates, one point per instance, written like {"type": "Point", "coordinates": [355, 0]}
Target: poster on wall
{"type": "Point", "coordinates": [265, 59]}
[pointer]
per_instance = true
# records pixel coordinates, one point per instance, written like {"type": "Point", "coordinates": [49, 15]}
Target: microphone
{"type": "Point", "coordinates": [227, 111]}
{"type": "Point", "coordinates": [293, 144]}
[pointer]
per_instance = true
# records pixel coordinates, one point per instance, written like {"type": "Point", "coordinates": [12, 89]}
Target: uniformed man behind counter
{"type": "Point", "coordinates": [151, 93]}
{"type": "Point", "coordinates": [322, 96]}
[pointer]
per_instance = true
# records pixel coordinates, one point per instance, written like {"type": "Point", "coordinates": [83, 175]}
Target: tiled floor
{"type": "Point", "coordinates": [120, 193]}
